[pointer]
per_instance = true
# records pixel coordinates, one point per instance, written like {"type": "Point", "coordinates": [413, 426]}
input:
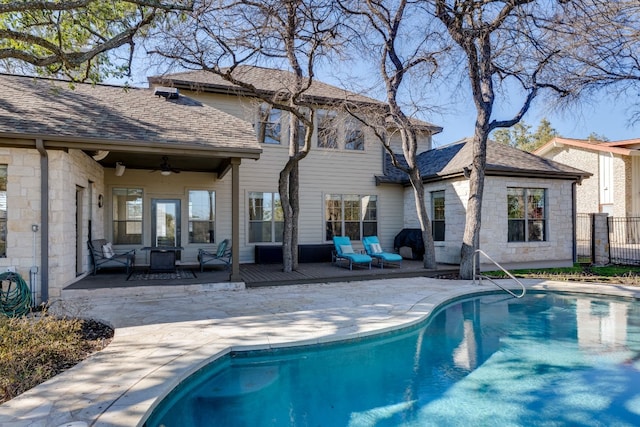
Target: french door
{"type": "Point", "coordinates": [165, 222]}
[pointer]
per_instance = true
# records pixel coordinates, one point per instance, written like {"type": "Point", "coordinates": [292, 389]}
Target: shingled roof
{"type": "Point", "coordinates": [269, 81]}
{"type": "Point", "coordinates": [451, 160]}
{"type": "Point", "coordinates": [101, 114]}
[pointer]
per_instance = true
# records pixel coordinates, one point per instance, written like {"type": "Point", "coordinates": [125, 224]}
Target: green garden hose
{"type": "Point", "coordinates": [15, 297]}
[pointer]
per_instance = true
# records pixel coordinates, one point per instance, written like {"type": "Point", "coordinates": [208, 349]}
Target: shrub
{"type": "Point", "coordinates": [36, 348]}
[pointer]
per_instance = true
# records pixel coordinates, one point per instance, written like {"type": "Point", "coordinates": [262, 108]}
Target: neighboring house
{"type": "Point", "coordinates": [147, 167]}
{"type": "Point", "coordinates": [614, 187]}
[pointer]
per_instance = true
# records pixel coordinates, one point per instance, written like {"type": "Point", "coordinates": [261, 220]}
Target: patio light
{"type": "Point", "coordinates": [120, 169]}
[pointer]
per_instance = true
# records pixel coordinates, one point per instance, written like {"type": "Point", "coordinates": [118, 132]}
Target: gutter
{"type": "Point", "coordinates": [44, 221]}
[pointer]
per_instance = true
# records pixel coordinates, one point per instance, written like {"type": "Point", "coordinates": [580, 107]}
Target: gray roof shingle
{"type": "Point", "coordinates": [51, 108]}
{"type": "Point", "coordinates": [451, 160]}
{"type": "Point", "coordinates": [271, 81]}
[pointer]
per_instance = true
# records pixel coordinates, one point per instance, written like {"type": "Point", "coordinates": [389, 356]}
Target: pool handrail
{"type": "Point", "coordinates": [476, 273]}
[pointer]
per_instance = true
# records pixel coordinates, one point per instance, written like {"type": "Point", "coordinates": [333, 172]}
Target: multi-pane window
{"type": "Point", "coordinates": [202, 216]}
{"type": "Point", "coordinates": [351, 215]}
{"type": "Point", "coordinates": [270, 126]}
{"type": "Point", "coordinates": [266, 219]}
{"type": "Point", "coordinates": [527, 214]}
{"type": "Point", "coordinates": [327, 125]}
{"type": "Point", "coordinates": [437, 216]}
{"type": "Point", "coordinates": [354, 137]}
{"type": "Point", "coordinates": [127, 216]}
{"type": "Point", "coordinates": [3, 211]}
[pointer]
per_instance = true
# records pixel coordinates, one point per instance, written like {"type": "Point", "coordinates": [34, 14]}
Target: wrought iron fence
{"type": "Point", "coordinates": [584, 238]}
{"type": "Point", "coordinates": [624, 240]}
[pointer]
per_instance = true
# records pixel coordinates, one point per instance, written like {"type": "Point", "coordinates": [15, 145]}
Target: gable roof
{"type": "Point", "coordinates": [104, 117]}
{"type": "Point", "coordinates": [627, 147]}
{"type": "Point", "coordinates": [269, 81]}
{"type": "Point", "coordinates": [452, 161]}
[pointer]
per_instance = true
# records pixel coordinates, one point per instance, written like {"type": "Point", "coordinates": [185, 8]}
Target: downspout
{"type": "Point", "coordinates": [574, 220]}
{"type": "Point", "coordinates": [44, 221]}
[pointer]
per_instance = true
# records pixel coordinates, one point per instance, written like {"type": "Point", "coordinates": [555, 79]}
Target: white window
{"type": "Point", "coordinates": [437, 216]}
{"type": "Point", "coordinates": [127, 216]}
{"type": "Point", "coordinates": [270, 125]}
{"type": "Point", "coordinates": [327, 129]}
{"type": "Point", "coordinates": [351, 215]}
{"type": "Point", "coordinates": [527, 214]}
{"type": "Point", "coordinates": [266, 219]}
{"type": "Point", "coordinates": [202, 216]}
{"type": "Point", "coordinates": [354, 136]}
{"type": "Point", "coordinates": [3, 211]}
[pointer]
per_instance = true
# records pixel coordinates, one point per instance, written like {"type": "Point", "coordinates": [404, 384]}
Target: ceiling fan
{"type": "Point", "coordinates": [165, 167]}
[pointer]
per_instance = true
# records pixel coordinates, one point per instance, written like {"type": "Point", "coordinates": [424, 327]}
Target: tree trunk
{"type": "Point", "coordinates": [471, 238]}
{"type": "Point", "coordinates": [294, 199]}
{"type": "Point", "coordinates": [429, 258]}
{"type": "Point", "coordinates": [287, 234]}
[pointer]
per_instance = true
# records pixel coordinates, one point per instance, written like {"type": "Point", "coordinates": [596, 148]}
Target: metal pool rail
{"type": "Point", "coordinates": [476, 274]}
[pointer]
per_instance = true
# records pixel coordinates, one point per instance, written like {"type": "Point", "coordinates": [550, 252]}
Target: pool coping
{"type": "Point", "coordinates": [158, 342]}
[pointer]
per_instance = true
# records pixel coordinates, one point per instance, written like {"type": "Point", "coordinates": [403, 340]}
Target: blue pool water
{"type": "Point", "coordinates": [546, 359]}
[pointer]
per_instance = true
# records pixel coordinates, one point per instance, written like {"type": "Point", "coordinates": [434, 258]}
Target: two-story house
{"type": "Point", "coordinates": [194, 160]}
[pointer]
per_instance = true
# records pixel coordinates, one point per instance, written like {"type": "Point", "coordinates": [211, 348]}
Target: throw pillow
{"type": "Point", "coordinates": [376, 248]}
{"type": "Point", "coordinates": [346, 249]}
{"type": "Point", "coordinates": [107, 250]}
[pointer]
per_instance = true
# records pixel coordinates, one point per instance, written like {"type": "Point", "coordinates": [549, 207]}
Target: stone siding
{"type": "Point", "coordinates": [588, 192]}
{"type": "Point", "coordinates": [68, 172]}
{"type": "Point", "coordinates": [557, 250]}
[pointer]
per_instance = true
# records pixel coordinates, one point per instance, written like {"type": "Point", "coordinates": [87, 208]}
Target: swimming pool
{"type": "Point", "coordinates": [546, 359]}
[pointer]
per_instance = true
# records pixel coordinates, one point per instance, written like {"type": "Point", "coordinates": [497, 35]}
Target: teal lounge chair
{"type": "Point", "coordinates": [344, 252]}
{"type": "Point", "coordinates": [372, 248]}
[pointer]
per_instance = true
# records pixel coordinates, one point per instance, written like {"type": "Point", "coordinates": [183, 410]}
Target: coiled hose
{"type": "Point", "coordinates": [15, 297]}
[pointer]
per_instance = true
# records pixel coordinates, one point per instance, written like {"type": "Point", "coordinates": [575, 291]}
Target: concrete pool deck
{"type": "Point", "coordinates": [164, 334]}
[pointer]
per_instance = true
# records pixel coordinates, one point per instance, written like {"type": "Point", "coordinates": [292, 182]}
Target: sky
{"type": "Point", "coordinates": [611, 119]}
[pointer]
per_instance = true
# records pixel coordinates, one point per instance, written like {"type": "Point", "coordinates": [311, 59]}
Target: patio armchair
{"type": "Point", "coordinates": [344, 252]}
{"type": "Point", "coordinates": [103, 255]}
{"type": "Point", "coordinates": [373, 249]}
{"type": "Point", "coordinates": [221, 255]}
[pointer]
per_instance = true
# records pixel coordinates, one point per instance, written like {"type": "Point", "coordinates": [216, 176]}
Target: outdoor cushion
{"type": "Point", "coordinates": [107, 250]}
{"type": "Point", "coordinates": [376, 248]}
{"type": "Point", "coordinates": [346, 249]}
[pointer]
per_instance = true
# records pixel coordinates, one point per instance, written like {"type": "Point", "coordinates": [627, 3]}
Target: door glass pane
{"type": "Point", "coordinates": [166, 223]}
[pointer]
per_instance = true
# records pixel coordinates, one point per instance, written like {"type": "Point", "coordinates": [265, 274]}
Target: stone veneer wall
{"type": "Point", "coordinates": [556, 251]}
{"type": "Point", "coordinates": [68, 173]}
{"type": "Point", "coordinates": [23, 209]}
{"type": "Point", "coordinates": [588, 192]}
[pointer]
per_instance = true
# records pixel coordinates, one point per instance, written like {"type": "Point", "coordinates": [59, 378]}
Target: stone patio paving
{"type": "Point", "coordinates": [163, 334]}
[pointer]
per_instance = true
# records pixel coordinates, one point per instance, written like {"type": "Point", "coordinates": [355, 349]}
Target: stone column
{"type": "Point", "coordinates": [600, 238]}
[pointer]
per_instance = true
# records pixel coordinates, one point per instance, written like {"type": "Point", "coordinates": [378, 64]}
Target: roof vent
{"type": "Point", "coordinates": [167, 92]}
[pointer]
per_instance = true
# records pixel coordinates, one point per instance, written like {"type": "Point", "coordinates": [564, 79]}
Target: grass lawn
{"type": "Point", "coordinates": [624, 275]}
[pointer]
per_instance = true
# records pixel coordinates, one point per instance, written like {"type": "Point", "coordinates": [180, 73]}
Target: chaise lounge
{"type": "Point", "coordinates": [373, 249]}
{"type": "Point", "coordinates": [344, 252]}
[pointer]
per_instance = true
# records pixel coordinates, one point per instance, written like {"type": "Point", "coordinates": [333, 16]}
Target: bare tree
{"type": "Point", "coordinates": [388, 39]}
{"type": "Point", "coordinates": [512, 52]}
{"type": "Point", "coordinates": [223, 36]}
{"type": "Point", "coordinates": [73, 37]}
{"type": "Point", "coordinates": [605, 54]}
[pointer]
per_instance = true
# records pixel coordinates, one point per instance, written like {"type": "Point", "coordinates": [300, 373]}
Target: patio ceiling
{"type": "Point", "coordinates": [183, 162]}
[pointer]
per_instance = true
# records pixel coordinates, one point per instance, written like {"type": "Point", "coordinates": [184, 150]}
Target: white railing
{"type": "Point", "coordinates": [476, 274]}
